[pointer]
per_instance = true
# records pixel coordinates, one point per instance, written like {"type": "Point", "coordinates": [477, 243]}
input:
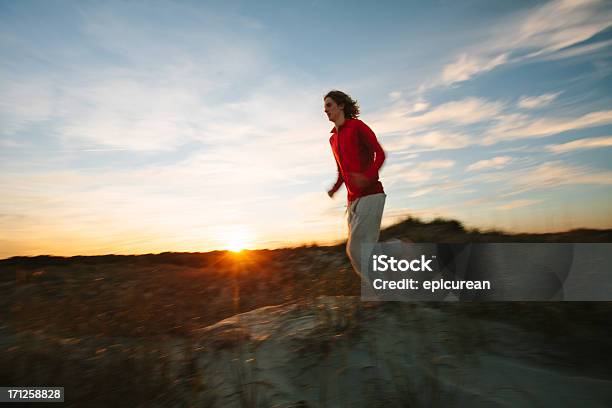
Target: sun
{"type": "Point", "coordinates": [236, 244]}
{"type": "Point", "coordinates": [236, 238]}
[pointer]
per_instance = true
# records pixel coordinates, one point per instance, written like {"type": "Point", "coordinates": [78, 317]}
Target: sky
{"type": "Point", "coordinates": [153, 126]}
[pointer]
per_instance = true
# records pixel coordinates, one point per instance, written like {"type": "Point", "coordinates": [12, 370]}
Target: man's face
{"type": "Point", "coordinates": [332, 109]}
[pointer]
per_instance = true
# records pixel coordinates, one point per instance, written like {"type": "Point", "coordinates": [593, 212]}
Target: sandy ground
{"type": "Point", "coordinates": [339, 352]}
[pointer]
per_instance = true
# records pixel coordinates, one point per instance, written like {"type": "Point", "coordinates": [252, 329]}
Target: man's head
{"type": "Point", "coordinates": [338, 104]}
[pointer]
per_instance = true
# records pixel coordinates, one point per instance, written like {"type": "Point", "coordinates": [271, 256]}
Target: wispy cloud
{"type": "Point", "coordinates": [159, 86]}
{"type": "Point", "coordinates": [532, 102]}
{"type": "Point", "coordinates": [557, 174]}
{"type": "Point", "coordinates": [581, 144]}
{"type": "Point", "coordinates": [445, 186]}
{"type": "Point", "coordinates": [494, 163]}
{"type": "Point", "coordinates": [463, 112]}
{"type": "Point", "coordinates": [421, 192]}
{"type": "Point", "coordinates": [436, 164]}
{"type": "Point", "coordinates": [466, 66]}
{"type": "Point", "coordinates": [434, 140]}
{"type": "Point", "coordinates": [400, 117]}
{"type": "Point", "coordinates": [546, 175]}
{"type": "Point", "coordinates": [581, 50]}
{"type": "Point", "coordinates": [416, 173]}
{"type": "Point", "coordinates": [561, 24]}
{"type": "Point", "coordinates": [517, 126]}
{"type": "Point", "coordinates": [536, 33]}
{"type": "Point", "coordinates": [517, 204]}
{"type": "Point", "coordinates": [395, 95]}
{"type": "Point", "coordinates": [420, 106]}
{"type": "Point", "coordinates": [410, 131]}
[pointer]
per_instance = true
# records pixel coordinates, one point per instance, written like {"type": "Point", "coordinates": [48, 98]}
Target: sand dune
{"type": "Point", "coordinates": [337, 351]}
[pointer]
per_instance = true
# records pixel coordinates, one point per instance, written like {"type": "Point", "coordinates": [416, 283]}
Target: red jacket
{"type": "Point", "coordinates": [357, 151]}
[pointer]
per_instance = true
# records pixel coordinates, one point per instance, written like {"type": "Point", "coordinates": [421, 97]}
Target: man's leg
{"type": "Point", "coordinates": [364, 217]}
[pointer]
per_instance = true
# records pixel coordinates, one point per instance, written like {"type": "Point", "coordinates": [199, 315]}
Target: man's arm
{"type": "Point", "coordinates": [339, 182]}
{"type": "Point", "coordinates": [369, 138]}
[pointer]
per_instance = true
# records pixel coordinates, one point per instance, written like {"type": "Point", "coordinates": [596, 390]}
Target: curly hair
{"type": "Point", "coordinates": [351, 107]}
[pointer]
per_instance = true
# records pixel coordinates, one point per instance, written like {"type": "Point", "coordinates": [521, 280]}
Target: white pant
{"type": "Point", "coordinates": [364, 217]}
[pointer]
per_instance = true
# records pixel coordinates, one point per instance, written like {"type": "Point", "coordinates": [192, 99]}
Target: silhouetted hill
{"type": "Point", "coordinates": [451, 231]}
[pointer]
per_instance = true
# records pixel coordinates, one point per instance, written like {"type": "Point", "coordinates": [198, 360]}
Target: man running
{"type": "Point", "coordinates": [359, 157]}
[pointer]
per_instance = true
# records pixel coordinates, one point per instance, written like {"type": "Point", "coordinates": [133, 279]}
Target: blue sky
{"type": "Point", "coordinates": [131, 127]}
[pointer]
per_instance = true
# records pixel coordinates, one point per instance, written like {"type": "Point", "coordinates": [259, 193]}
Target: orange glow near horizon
{"type": "Point", "coordinates": [128, 240]}
{"type": "Point", "coordinates": [236, 238]}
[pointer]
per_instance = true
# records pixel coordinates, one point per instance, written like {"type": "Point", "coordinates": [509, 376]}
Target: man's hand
{"type": "Point", "coordinates": [359, 179]}
{"type": "Point", "coordinates": [331, 193]}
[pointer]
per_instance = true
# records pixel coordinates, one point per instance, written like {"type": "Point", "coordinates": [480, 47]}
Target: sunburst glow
{"type": "Point", "coordinates": [236, 238]}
